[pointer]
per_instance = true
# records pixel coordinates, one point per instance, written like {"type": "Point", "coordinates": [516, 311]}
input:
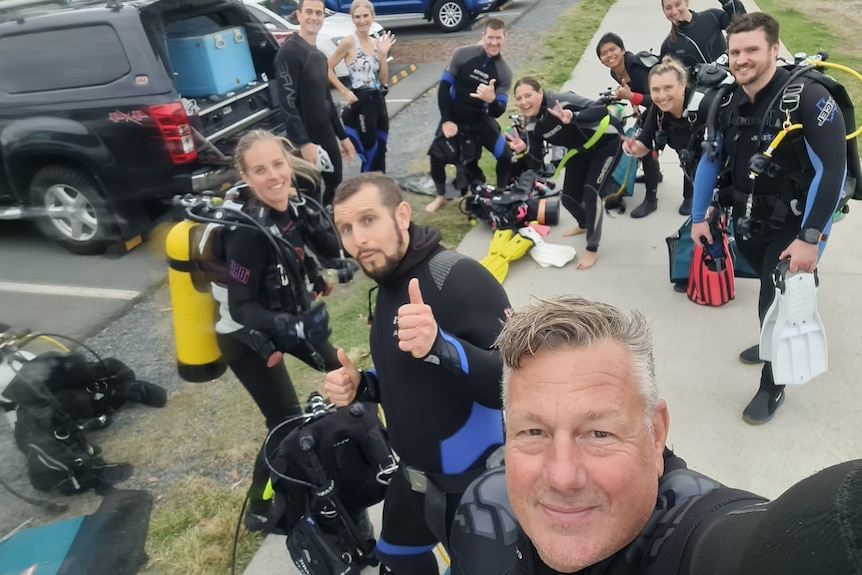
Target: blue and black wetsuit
{"type": "Point", "coordinates": [366, 121]}
{"type": "Point", "coordinates": [701, 40]}
{"type": "Point", "coordinates": [442, 411]}
{"type": "Point", "coordinates": [477, 128]}
{"type": "Point", "coordinates": [306, 105]}
{"type": "Point", "coordinates": [800, 190]}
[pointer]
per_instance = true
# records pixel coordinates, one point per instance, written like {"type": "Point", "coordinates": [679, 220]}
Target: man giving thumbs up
{"type": "Point", "coordinates": [436, 317]}
{"type": "Point", "coordinates": [473, 91]}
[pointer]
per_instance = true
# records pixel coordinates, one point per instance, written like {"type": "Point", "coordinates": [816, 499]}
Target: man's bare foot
{"type": "Point", "coordinates": [438, 203]}
{"type": "Point", "coordinates": [588, 261]}
{"type": "Point", "coordinates": [575, 231]}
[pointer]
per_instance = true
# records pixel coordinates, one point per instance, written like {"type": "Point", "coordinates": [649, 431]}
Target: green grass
{"type": "Point", "coordinates": [810, 28]}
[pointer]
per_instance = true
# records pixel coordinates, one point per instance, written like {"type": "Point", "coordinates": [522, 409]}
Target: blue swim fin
{"type": "Point", "coordinates": [792, 336]}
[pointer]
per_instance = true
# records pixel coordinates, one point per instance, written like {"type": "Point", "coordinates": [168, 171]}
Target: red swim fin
{"type": "Point", "coordinates": [710, 280]}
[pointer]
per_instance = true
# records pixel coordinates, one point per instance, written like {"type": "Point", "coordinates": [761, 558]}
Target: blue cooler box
{"type": "Point", "coordinates": [211, 64]}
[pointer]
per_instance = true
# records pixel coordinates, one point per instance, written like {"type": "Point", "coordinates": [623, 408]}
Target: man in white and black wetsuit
{"type": "Point", "coordinates": [436, 374]}
{"type": "Point", "coordinates": [302, 85]}
{"type": "Point", "coordinates": [473, 90]}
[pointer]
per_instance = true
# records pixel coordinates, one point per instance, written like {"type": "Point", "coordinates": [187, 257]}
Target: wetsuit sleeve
{"type": "Point", "coordinates": [502, 87]}
{"type": "Point", "coordinates": [646, 133]}
{"type": "Point", "coordinates": [587, 118]}
{"type": "Point", "coordinates": [731, 8]}
{"type": "Point", "coordinates": [823, 130]}
{"type": "Point", "coordinates": [705, 178]}
{"type": "Point", "coordinates": [469, 325]}
{"type": "Point", "coordinates": [289, 65]}
{"type": "Point", "coordinates": [447, 81]}
{"type": "Point", "coordinates": [247, 256]}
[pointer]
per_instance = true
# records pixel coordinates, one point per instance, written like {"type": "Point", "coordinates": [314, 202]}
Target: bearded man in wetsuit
{"type": "Point", "coordinates": [435, 373]}
{"type": "Point", "coordinates": [302, 86]}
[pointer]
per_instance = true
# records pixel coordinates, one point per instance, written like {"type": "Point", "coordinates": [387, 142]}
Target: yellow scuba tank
{"type": "Point", "coordinates": [194, 308]}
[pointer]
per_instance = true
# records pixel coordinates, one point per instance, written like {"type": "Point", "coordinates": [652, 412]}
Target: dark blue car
{"type": "Point", "coordinates": [449, 15]}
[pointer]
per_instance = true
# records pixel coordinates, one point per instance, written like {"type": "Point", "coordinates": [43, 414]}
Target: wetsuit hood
{"type": "Point", "coordinates": [423, 241]}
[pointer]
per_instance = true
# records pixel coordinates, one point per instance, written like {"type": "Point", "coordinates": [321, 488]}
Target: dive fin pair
{"type": "Point", "coordinates": [545, 254]}
{"type": "Point", "coordinates": [506, 246]}
{"type": "Point", "coordinates": [792, 336]}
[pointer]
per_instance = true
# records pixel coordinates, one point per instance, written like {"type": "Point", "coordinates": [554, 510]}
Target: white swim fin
{"type": "Point", "coordinates": [792, 336]}
{"type": "Point", "coordinates": [545, 254]}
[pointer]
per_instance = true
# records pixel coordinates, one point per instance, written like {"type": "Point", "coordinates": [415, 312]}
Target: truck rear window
{"type": "Point", "coordinates": [61, 59]}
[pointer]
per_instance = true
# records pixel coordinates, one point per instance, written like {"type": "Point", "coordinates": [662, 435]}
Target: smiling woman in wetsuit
{"type": "Point", "coordinates": [577, 124]}
{"type": "Point", "coordinates": [268, 298]}
{"type": "Point", "coordinates": [666, 124]}
{"type": "Point", "coordinates": [365, 119]}
{"type": "Point", "coordinates": [697, 37]}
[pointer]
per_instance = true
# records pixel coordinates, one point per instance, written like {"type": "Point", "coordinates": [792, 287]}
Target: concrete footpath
{"type": "Point", "coordinates": [698, 373]}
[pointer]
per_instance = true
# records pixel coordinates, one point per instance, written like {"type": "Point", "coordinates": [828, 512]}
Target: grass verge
{"type": "Point", "coordinates": [821, 25]}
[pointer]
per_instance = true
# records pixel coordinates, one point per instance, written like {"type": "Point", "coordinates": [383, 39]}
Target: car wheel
{"type": "Point", "coordinates": [71, 210]}
{"type": "Point", "coordinates": [450, 15]}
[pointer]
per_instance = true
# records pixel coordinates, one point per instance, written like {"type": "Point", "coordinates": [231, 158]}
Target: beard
{"type": "Point", "coordinates": [390, 263]}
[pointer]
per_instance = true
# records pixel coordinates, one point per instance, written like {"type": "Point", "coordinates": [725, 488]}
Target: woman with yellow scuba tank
{"type": "Point", "coordinates": [666, 124]}
{"type": "Point", "coordinates": [269, 309]}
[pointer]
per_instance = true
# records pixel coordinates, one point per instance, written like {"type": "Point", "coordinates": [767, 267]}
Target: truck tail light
{"type": "Point", "coordinates": [173, 123]}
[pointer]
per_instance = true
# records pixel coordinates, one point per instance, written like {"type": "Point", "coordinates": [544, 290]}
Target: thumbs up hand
{"type": "Point", "coordinates": [341, 383]}
{"type": "Point", "coordinates": [417, 328]}
{"type": "Point", "coordinates": [485, 92]}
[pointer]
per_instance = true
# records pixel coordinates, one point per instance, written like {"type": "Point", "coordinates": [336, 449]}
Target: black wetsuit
{"type": "Point", "coordinates": [639, 84]}
{"type": "Point", "coordinates": [477, 128]}
{"type": "Point", "coordinates": [698, 527]}
{"type": "Point", "coordinates": [305, 100]}
{"type": "Point", "coordinates": [678, 133]}
{"type": "Point", "coordinates": [442, 411]}
{"type": "Point", "coordinates": [254, 301]}
{"type": "Point", "coordinates": [793, 194]}
{"type": "Point", "coordinates": [588, 173]}
{"type": "Point", "coordinates": [702, 40]}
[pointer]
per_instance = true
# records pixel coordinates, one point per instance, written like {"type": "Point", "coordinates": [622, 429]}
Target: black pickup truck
{"type": "Point", "coordinates": [99, 128]}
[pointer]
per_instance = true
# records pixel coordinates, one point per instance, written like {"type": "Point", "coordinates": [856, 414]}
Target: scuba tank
{"type": "Point", "coordinates": [194, 309]}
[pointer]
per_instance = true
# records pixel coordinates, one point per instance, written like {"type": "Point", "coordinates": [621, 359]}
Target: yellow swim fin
{"type": "Point", "coordinates": [515, 247]}
{"type": "Point", "coordinates": [493, 260]}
